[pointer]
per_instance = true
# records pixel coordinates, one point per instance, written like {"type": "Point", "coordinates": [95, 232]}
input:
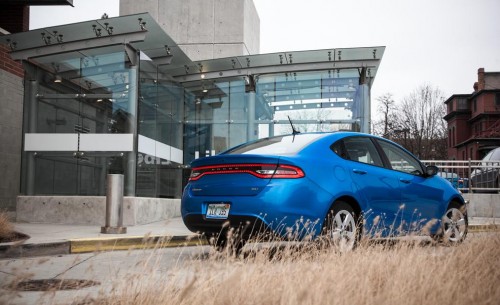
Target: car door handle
{"type": "Point", "coordinates": [359, 172]}
{"type": "Point", "coordinates": [406, 181]}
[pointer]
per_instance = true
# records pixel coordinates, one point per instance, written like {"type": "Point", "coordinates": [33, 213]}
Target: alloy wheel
{"type": "Point", "coordinates": [454, 225]}
{"type": "Point", "coordinates": [344, 230]}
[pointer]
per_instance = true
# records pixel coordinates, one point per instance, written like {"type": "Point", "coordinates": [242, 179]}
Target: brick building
{"type": "Point", "coordinates": [474, 119]}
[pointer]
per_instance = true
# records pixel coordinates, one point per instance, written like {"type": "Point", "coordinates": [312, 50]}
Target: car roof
{"type": "Point", "coordinates": [496, 154]}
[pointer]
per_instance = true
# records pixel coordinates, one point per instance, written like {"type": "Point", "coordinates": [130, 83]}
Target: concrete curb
{"type": "Point", "coordinates": [20, 249]}
{"type": "Point", "coordinates": [88, 245]}
{"type": "Point", "coordinates": [484, 228]}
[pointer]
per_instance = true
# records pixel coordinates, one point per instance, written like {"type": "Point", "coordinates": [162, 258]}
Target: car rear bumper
{"type": "Point", "coordinates": [289, 208]}
{"type": "Point", "coordinates": [245, 226]}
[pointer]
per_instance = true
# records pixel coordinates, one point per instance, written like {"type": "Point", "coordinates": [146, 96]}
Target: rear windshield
{"type": "Point", "coordinates": [496, 155]}
{"type": "Point", "coordinates": [282, 145]}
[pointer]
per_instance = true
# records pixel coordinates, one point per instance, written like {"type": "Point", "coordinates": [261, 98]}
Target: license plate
{"type": "Point", "coordinates": [218, 210]}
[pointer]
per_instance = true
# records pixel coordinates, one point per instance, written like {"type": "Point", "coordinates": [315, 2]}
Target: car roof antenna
{"type": "Point", "coordinates": [294, 130]}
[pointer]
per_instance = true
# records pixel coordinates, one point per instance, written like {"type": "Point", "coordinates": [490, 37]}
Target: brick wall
{"type": "Point", "coordinates": [7, 64]}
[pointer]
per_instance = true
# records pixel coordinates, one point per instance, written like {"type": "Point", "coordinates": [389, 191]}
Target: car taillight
{"type": "Point", "coordinates": [264, 171]}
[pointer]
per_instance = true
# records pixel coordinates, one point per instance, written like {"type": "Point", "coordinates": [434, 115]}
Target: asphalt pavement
{"type": "Point", "coordinates": [57, 239]}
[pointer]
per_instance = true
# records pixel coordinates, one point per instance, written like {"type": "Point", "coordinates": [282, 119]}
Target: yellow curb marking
{"type": "Point", "coordinates": [132, 243]}
{"type": "Point", "coordinates": [484, 228]}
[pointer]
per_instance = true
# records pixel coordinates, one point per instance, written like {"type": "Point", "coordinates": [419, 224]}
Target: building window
{"type": "Point", "coordinates": [462, 104]}
{"type": "Point", "coordinates": [449, 138]}
{"type": "Point", "coordinates": [475, 104]}
{"type": "Point", "coordinates": [471, 155]}
{"type": "Point", "coordinates": [497, 99]}
{"type": "Point", "coordinates": [453, 136]}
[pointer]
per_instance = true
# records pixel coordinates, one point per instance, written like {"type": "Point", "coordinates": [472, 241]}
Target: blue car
{"type": "Point", "coordinates": [336, 186]}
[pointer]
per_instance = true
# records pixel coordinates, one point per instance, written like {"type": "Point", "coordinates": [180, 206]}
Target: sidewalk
{"type": "Point", "coordinates": [57, 239]}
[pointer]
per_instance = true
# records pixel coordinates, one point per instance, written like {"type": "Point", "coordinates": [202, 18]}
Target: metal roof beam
{"type": "Point", "coordinates": [300, 67]}
{"type": "Point", "coordinates": [72, 46]}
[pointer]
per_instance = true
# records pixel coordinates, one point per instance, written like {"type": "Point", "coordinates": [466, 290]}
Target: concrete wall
{"type": "Point", "coordinates": [11, 118]}
{"type": "Point", "coordinates": [91, 210]}
{"type": "Point", "coordinates": [483, 205]}
{"type": "Point", "coordinates": [204, 29]}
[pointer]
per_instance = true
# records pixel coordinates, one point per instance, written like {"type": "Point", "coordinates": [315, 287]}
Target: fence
{"type": "Point", "coordinates": [471, 175]}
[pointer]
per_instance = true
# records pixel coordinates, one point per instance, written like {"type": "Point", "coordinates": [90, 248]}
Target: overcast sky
{"type": "Point", "coordinates": [437, 42]}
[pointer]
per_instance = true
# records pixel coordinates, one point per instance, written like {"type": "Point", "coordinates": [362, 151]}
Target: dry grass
{"type": "Point", "coordinates": [401, 273]}
{"type": "Point", "coordinates": [6, 227]}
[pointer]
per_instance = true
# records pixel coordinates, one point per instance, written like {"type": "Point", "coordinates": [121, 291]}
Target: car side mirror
{"type": "Point", "coordinates": [431, 170]}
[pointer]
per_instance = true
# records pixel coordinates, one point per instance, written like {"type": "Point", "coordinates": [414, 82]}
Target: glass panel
{"type": "Point", "coordinates": [160, 127]}
{"type": "Point", "coordinates": [361, 149]}
{"type": "Point", "coordinates": [59, 173]}
{"type": "Point", "coordinates": [401, 160]}
{"type": "Point", "coordinates": [286, 145]}
{"type": "Point", "coordinates": [315, 101]}
{"type": "Point", "coordinates": [170, 183]}
{"type": "Point", "coordinates": [216, 114]}
{"type": "Point", "coordinates": [86, 92]}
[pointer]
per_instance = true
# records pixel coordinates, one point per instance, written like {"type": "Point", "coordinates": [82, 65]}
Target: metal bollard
{"type": "Point", "coordinates": [114, 206]}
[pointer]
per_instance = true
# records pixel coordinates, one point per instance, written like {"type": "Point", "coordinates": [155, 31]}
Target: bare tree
{"type": "Point", "coordinates": [420, 120]}
{"type": "Point", "coordinates": [320, 115]}
{"type": "Point", "coordinates": [387, 109]}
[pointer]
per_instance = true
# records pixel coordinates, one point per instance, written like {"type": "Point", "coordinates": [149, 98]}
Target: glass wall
{"type": "Point", "coordinates": [160, 140]}
{"type": "Point", "coordinates": [79, 122]}
{"type": "Point", "coordinates": [221, 113]}
{"type": "Point", "coordinates": [325, 100]}
{"type": "Point", "coordinates": [216, 117]}
{"type": "Point", "coordinates": [91, 113]}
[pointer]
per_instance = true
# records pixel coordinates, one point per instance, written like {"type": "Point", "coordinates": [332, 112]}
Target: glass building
{"type": "Point", "coordinates": [118, 95]}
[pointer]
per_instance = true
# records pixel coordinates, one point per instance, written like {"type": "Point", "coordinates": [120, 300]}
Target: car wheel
{"type": "Point", "coordinates": [454, 224]}
{"type": "Point", "coordinates": [342, 229]}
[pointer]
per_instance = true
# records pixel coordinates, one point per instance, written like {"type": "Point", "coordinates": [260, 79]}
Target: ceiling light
{"type": "Point", "coordinates": [202, 76]}
{"type": "Point", "coordinates": [58, 79]}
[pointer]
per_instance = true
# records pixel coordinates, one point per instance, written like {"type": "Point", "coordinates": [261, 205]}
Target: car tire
{"type": "Point", "coordinates": [221, 243]}
{"type": "Point", "coordinates": [454, 225]}
{"type": "Point", "coordinates": [342, 227]}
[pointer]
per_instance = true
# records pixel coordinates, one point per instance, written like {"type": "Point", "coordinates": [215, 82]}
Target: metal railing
{"type": "Point", "coordinates": [471, 175]}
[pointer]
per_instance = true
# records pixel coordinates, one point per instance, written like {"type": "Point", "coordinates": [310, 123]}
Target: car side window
{"type": "Point", "coordinates": [400, 160]}
{"type": "Point", "coordinates": [359, 149]}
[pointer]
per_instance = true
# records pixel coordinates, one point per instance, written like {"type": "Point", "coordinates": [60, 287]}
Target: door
{"type": "Point", "coordinates": [420, 199]}
{"type": "Point", "coordinates": [375, 185]}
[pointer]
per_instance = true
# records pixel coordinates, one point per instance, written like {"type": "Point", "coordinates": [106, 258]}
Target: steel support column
{"type": "Point", "coordinates": [131, 157]}
{"type": "Point", "coordinates": [31, 100]}
{"type": "Point", "coordinates": [251, 132]}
